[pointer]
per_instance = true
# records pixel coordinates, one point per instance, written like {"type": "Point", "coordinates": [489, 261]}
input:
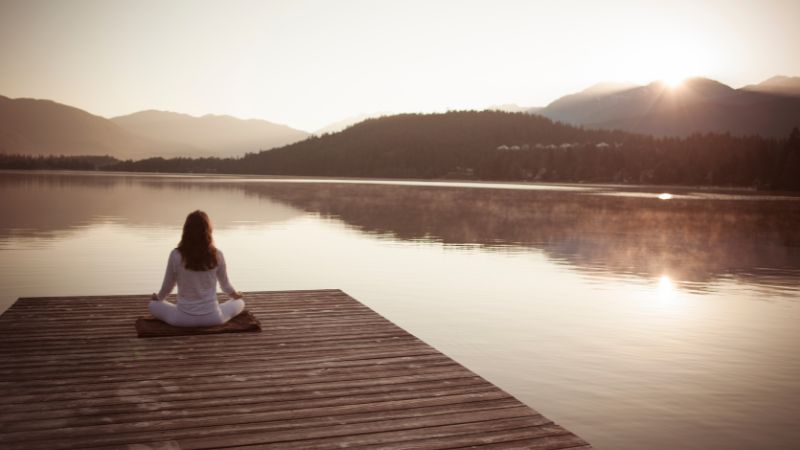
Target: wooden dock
{"type": "Point", "coordinates": [326, 372]}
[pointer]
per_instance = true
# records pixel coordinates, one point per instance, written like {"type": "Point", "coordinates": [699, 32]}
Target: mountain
{"type": "Point", "coordinates": [698, 105]}
{"type": "Point", "coordinates": [210, 135]}
{"type": "Point", "coordinates": [584, 106]}
{"type": "Point", "coordinates": [42, 127]}
{"type": "Point", "coordinates": [779, 85]}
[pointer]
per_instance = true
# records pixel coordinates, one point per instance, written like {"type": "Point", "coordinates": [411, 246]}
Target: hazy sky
{"type": "Point", "coordinates": [309, 63]}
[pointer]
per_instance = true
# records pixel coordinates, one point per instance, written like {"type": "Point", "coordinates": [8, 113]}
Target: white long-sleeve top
{"type": "Point", "coordinates": [197, 290]}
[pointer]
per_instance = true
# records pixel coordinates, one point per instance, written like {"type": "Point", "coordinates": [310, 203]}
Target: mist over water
{"type": "Point", "coordinates": [632, 318]}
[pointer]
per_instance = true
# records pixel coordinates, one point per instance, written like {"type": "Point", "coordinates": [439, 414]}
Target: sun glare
{"type": "Point", "coordinates": [669, 58]}
{"type": "Point", "coordinates": [666, 288]}
{"type": "Point", "coordinates": [665, 196]}
{"type": "Point", "coordinates": [674, 82]}
{"type": "Point", "coordinates": [664, 283]}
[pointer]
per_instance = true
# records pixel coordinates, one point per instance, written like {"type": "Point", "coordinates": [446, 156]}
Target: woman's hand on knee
{"type": "Point", "coordinates": [236, 295]}
{"type": "Point", "coordinates": [154, 297]}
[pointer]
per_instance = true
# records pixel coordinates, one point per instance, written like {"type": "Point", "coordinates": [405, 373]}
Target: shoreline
{"type": "Point", "coordinates": [423, 182]}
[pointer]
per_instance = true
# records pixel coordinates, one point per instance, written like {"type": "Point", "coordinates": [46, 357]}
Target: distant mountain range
{"type": "Point", "coordinates": [778, 85]}
{"type": "Point", "coordinates": [210, 135]}
{"type": "Point", "coordinates": [698, 105]}
{"type": "Point", "coordinates": [497, 145]}
{"type": "Point", "coordinates": [44, 127]}
{"type": "Point", "coordinates": [492, 145]}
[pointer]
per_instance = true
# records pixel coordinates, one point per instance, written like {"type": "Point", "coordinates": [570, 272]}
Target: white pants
{"type": "Point", "coordinates": [169, 312]}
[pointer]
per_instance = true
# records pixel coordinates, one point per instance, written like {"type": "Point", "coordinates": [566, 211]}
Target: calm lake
{"type": "Point", "coordinates": [636, 321]}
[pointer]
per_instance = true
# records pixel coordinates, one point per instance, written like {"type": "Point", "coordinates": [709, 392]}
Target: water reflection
{"type": "Point", "coordinates": [695, 239]}
{"type": "Point", "coordinates": [666, 292]}
{"type": "Point", "coordinates": [51, 204]}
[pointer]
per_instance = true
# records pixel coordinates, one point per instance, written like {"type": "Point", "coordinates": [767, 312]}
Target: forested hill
{"type": "Point", "coordinates": [494, 145]}
{"type": "Point", "coordinates": [423, 145]}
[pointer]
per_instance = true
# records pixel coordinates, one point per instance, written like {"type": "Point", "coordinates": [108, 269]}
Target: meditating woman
{"type": "Point", "coordinates": [196, 266]}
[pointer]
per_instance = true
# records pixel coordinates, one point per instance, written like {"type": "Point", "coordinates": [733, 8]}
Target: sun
{"type": "Point", "coordinates": [669, 58]}
{"type": "Point", "coordinates": [675, 77]}
{"type": "Point", "coordinates": [674, 81]}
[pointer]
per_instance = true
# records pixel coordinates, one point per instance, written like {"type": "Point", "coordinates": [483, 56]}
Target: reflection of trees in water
{"type": "Point", "coordinates": [687, 239]}
{"type": "Point", "coordinates": [46, 204]}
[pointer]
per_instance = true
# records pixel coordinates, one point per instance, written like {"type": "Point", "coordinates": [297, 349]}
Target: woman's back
{"type": "Point", "coordinates": [197, 289]}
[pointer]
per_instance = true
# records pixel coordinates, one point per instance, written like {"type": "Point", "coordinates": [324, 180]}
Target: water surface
{"type": "Point", "coordinates": [631, 320]}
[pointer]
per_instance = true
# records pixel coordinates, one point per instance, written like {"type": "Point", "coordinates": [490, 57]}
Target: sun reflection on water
{"type": "Point", "coordinates": [666, 291]}
{"type": "Point", "coordinates": [665, 196]}
{"type": "Point", "coordinates": [665, 286]}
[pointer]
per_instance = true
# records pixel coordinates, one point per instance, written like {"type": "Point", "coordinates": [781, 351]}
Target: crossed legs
{"type": "Point", "coordinates": [169, 313]}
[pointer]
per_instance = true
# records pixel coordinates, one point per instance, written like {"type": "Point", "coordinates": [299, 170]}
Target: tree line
{"type": "Point", "coordinates": [492, 145]}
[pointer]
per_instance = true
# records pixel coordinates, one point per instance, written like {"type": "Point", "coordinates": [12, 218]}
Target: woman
{"type": "Point", "coordinates": [196, 266]}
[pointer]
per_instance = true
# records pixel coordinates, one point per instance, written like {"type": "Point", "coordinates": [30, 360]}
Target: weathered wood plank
{"type": "Point", "coordinates": [275, 332]}
{"type": "Point", "coordinates": [322, 360]}
{"type": "Point", "coordinates": [328, 398]}
{"type": "Point", "coordinates": [275, 353]}
{"type": "Point", "coordinates": [24, 360]}
{"type": "Point", "coordinates": [285, 409]}
{"type": "Point", "coordinates": [555, 442]}
{"type": "Point", "coordinates": [233, 390]}
{"type": "Point", "coordinates": [488, 435]}
{"type": "Point", "coordinates": [213, 376]}
{"type": "Point", "coordinates": [184, 427]}
{"type": "Point", "coordinates": [243, 381]}
{"type": "Point", "coordinates": [356, 432]}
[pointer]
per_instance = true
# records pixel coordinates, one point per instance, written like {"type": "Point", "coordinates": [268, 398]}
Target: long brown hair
{"type": "Point", "coordinates": [197, 245]}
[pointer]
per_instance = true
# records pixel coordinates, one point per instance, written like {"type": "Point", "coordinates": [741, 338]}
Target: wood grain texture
{"type": "Point", "coordinates": [325, 372]}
